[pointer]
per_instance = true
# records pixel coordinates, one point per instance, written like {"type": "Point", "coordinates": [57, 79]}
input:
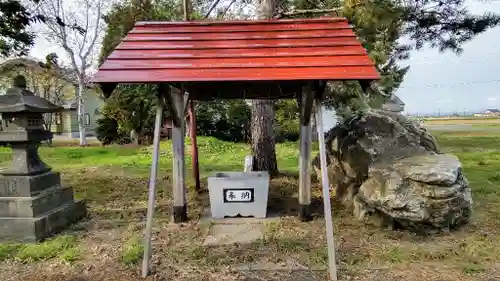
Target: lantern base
{"type": "Point", "coordinates": [27, 230]}
{"type": "Point", "coordinates": [33, 207]}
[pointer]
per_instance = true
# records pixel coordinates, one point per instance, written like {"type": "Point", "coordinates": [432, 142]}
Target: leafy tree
{"type": "Point", "coordinates": [444, 24]}
{"type": "Point", "coordinates": [227, 120]}
{"type": "Point", "coordinates": [14, 37]}
{"type": "Point", "coordinates": [17, 17]}
{"type": "Point", "coordinates": [132, 106]}
{"type": "Point", "coordinates": [52, 88]}
{"type": "Point", "coordinates": [107, 130]}
{"type": "Point", "coordinates": [123, 15]}
{"type": "Point", "coordinates": [379, 28]}
{"type": "Point", "coordinates": [45, 78]}
{"type": "Point", "coordinates": [286, 120]}
{"type": "Point", "coordinates": [380, 24]}
{"type": "Point", "coordinates": [120, 20]}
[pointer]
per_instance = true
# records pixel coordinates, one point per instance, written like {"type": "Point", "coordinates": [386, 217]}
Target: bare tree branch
{"type": "Point", "coordinates": [79, 43]}
{"type": "Point", "coordinates": [84, 39]}
{"type": "Point", "coordinates": [95, 35]}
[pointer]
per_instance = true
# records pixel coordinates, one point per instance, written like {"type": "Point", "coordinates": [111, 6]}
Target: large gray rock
{"type": "Point", "coordinates": [388, 170]}
{"type": "Point", "coordinates": [418, 192]}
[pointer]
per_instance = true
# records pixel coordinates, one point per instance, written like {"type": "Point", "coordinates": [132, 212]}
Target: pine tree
{"type": "Point", "coordinates": [379, 26]}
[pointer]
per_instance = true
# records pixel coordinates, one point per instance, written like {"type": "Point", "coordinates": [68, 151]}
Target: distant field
{"type": "Point", "coordinates": [462, 121]}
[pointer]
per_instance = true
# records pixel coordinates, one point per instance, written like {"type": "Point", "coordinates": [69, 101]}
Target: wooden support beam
{"type": "Point", "coordinates": [305, 101]}
{"type": "Point", "coordinates": [179, 102]}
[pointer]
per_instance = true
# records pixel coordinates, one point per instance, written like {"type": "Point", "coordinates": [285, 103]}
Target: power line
{"type": "Point", "coordinates": [452, 85]}
{"type": "Point", "coordinates": [457, 60]}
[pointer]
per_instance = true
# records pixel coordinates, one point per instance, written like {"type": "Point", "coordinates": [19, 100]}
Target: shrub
{"type": "Point", "coordinates": [107, 130]}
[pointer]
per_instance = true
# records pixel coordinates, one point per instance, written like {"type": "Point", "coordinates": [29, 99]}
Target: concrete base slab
{"type": "Point", "coordinates": [244, 230]}
{"type": "Point", "coordinates": [241, 230]}
{"type": "Point", "coordinates": [206, 217]}
{"type": "Point", "coordinates": [226, 234]}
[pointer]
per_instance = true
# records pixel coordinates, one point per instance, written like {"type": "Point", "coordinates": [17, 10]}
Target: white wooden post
{"type": "Point", "coordinates": [152, 187]}
{"type": "Point", "coordinates": [332, 266]}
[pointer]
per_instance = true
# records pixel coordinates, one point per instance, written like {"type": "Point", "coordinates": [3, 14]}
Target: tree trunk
{"type": "Point", "coordinates": [263, 143]}
{"type": "Point", "coordinates": [81, 113]}
{"type": "Point", "coordinates": [262, 125]}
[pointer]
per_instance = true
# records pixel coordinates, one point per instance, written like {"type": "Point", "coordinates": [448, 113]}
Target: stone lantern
{"type": "Point", "coordinates": [33, 204]}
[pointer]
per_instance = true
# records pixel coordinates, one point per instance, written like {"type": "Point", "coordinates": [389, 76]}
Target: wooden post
{"type": "Point", "coordinates": [332, 266]}
{"type": "Point", "coordinates": [178, 102]}
{"type": "Point", "coordinates": [152, 184]}
{"type": "Point", "coordinates": [194, 146]}
{"type": "Point", "coordinates": [305, 101]}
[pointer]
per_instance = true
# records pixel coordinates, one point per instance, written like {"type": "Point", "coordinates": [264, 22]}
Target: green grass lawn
{"type": "Point", "coordinates": [114, 180]}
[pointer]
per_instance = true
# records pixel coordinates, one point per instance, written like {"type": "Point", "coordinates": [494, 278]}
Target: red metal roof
{"type": "Point", "coordinates": [238, 52]}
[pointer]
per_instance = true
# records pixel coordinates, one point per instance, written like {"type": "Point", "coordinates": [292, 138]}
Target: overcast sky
{"type": "Point", "coordinates": [436, 82]}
